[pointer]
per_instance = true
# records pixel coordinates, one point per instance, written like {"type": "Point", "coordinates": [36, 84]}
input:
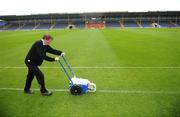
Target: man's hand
{"type": "Point", "coordinates": [56, 58]}
{"type": "Point", "coordinates": [62, 54]}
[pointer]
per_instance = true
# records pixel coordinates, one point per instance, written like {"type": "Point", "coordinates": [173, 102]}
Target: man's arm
{"type": "Point", "coordinates": [42, 54]}
{"type": "Point", "coordinates": [49, 58]}
{"type": "Point", "coordinates": [53, 51]}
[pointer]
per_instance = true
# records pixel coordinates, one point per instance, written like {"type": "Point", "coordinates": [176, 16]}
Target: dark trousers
{"type": "Point", "coordinates": [35, 71]}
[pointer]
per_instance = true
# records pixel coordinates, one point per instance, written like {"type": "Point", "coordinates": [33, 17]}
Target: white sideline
{"type": "Point", "coordinates": [96, 67]}
{"type": "Point", "coordinates": [105, 91]}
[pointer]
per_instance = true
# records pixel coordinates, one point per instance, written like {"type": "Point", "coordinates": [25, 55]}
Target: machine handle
{"type": "Point", "coordinates": [68, 66]}
{"type": "Point", "coordinates": [65, 71]}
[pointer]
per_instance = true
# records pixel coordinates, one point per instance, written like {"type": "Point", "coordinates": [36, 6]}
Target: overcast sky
{"type": "Point", "coordinates": [26, 7]}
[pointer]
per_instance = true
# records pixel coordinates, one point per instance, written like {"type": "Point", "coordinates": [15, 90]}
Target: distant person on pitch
{"type": "Point", "coordinates": [34, 59]}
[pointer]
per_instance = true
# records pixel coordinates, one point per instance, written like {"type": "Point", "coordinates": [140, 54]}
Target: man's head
{"type": "Point", "coordinates": [47, 39]}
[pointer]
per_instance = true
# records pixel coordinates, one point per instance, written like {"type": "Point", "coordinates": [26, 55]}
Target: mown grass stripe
{"type": "Point", "coordinates": [96, 67]}
{"type": "Point", "coordinates": [107, 91]}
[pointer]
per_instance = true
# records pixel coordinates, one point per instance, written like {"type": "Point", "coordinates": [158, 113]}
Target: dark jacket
{"type": "Point", "coordinates": [37, 53]}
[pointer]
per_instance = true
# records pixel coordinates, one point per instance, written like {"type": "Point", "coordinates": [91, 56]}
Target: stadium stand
{"type": "Point", "coordinates": [130, 24]}
{"type": "Point", "coordinates": [61, 25]}
{"type": "Point", "coordinates": [13, 26]}
{"type": "Point", "coordinates": [79, 24]}
{"type": "Point", "coordinates": [4, 27]}
{"type": "Point", "coordinates": [94, 25]}
{"type": "Point", "coordinates": [146, 24]}
{"type": "Point", "coordinates": [174, 23]}
{"type": "Point", "coordinates": [28, 26]}
{"type": "Point", "coordinates": [111, 24]}
{"type": "Point", "coordinates": [164, 19]}
{"type": "Point", "coordinates": [166, 23]}
{"type": "Point", "coordinates": [2, 23]}
{"type": "Point", "coordinates": [44, 26]}
{"type": "Point", "coordinates": [178, 23]}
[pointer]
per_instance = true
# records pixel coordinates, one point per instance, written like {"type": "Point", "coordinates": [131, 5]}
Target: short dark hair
{"type": "Point", "coordinates": [47, 37]}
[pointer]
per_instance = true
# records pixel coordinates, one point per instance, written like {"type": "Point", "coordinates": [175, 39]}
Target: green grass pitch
{"type": "Point", "coordinates": [137, 73]}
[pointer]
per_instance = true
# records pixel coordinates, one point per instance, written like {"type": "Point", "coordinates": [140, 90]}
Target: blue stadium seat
{"type": "Point", "coordinates": [178, 24]}
{"type": "Point", "coordinates": [80, 25]}
{"type": "Point", "coordinates": [130, 24]}
{"type": "Point", "coordinates": [60, 26]}
{"type": "Point", "coordinates": [146, 24]}
{"type": "Point", "coordinates": [28, 26]}
{"type": "Point", "coordinates": [2, 23]}
{"type": "Point", "coordinates": [13, 26]}
{"type": "Point", "coordinates": [44, 26]}
{"type": "Point", "coordinates": [166, 24]}
{"type": "Point", "coordinates": [112, 24]}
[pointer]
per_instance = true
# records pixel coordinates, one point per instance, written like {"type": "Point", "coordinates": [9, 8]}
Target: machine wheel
{"type": "Point", "coordinates": [76, 90]}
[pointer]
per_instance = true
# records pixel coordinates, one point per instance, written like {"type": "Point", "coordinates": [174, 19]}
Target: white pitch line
{"type": "Point", "coordinates": [96, 67]}
{"type": "Point", "coordinates": [2, 69]}
{"type": "Point", "coordinates": [139, 92]}
{"type": "Point", "coordinates": [20, 89]}
{"type": "Point", "coordinates": [105, 91]}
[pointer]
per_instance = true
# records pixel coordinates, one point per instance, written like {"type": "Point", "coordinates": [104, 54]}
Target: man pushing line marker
{"type": "Point", "coordinates": [35, 58]}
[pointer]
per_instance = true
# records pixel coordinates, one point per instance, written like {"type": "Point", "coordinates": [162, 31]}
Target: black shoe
{"type": "Point", "coordinates": [29, 92]}
{"type": "Point", "coordinates": [47, 93]}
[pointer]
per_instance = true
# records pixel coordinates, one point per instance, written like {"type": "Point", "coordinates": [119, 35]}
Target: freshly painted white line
{"type": "Point", "coordinates": [96, 67]}
{"type": "Point", "coordinates": [106, 91]}
{"type": "Point", "coordinates": [20, 89]}
{"type": "Point", "coordinates": [139, 92]}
